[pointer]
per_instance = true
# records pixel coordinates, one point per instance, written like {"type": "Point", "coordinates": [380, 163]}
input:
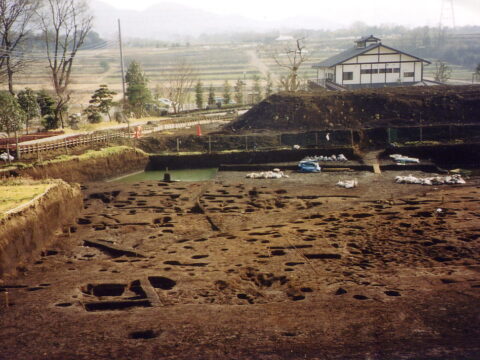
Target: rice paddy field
{"type": "Point", "coordinates": [213, 64]}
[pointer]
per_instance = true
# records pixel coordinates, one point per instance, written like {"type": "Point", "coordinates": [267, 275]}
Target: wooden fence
{"type": "Point", "coordinates": [96, 138]}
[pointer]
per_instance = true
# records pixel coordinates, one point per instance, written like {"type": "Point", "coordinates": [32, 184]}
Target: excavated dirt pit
{"type": "Point", "coordinates": [238, 268]}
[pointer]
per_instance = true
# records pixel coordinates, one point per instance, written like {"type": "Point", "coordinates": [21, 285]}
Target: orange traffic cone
{"type": "Point", "coordinates": [199, 130]}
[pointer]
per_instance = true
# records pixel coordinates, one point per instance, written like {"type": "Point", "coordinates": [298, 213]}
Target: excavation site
{"type": "Point", "coordinates": [376, 256]}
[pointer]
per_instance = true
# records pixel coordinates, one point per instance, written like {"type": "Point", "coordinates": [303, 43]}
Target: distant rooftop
{"type": "Point", "coordinates": [284, 38]}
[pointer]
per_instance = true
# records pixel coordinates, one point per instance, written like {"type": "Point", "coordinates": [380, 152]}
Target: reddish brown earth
{"type": "Point", "coordinates": [89, 170]}
{"type": "Point", "coordinates": [255, 269]}
{"type": "Point", "coordinates": [395, 106]}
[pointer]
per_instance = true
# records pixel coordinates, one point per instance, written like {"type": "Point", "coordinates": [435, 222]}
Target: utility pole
{"type": "Point", "coordinates": [123, 75]}
{"type": "Point", "coordinates": [121, 60]}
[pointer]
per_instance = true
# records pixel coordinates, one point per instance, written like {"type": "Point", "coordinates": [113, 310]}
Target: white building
{"type": "Point", "coordinates": [370, 64]}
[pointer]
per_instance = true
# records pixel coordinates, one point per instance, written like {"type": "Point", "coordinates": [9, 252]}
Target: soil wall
{"type": "Point", "coordinates": [89, 170]}
{"type": "Point", "coordinates": [160, 162]}
{"type": "Point", "coordinates": [29, 231]}
{"type": "Point", "coordinates": [445, 156]}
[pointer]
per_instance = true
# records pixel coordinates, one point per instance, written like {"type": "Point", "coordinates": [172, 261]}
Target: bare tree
{"type": "Point", "coordinates": [65, 24]}
{"type": "Point", "coordinates": [179, 84]}
{"type": "Point", "coordinates": [442, 72]}
{"type": "Point", "coordinates": [15, 25]}
{"type": "Point", "coordinates": [291, 59]}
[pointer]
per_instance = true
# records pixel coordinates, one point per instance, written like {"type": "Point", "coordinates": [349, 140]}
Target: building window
{"type": "Point", "coordinates": [381, 71]}
{"type": "Point", "coordinates": [347, 75]}
{"type": "Point", "coordinates": [408, 74]}
{"type": "Point", "coordinates": [386, 71]}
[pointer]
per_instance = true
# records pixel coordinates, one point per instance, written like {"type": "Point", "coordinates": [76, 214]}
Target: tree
{"type": "Point", "coordinates": [11, 114]}
{"type": "Point", "coordinates": [93, 114]}
{"type": "Point", "coordinates": [46, 103]}
{"type": "Point", "coordinates": [138, 94]}
{"type": "Point", "coordinates": [179, 83]}
{"type": "Point", "coordinates": [291, 61]}
{"type": "Point", "coordinates": [15, 25]}
{"type": "Point", "coordinates": [257, 91]}
{"type": "Point", "coordinates": [28, 102]}
{"type": "Point", "coordinates": [442, 72]}
{"type": "Point", "coordinates": [102, 98]}
{"type": "Point", "coordinates": [268, 85]}
{"type": "Point", "coordinates": [477, 69]}
{"type": "Point", "coordinates": [199, 94]}
{"type": "Point", "coordinates": [65, 25]}
{"type": "Point", "coordinates": [211, 96]}
{"type": "Point", "coordinates": [227, 92]}
{"type": "Point", "coordinates": [238, 91]}
{"type": "Point", "coordinates": [47, 110]}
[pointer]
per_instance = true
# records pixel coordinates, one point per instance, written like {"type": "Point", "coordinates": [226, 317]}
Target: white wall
{"type": "Point", "coordinates": [389, 59]}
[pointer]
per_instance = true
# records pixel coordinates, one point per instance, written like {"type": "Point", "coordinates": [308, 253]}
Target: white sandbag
{"type": "Point", "coordinates": [348, 184]}
{"type": "Point", "coordinates": [434, 180]}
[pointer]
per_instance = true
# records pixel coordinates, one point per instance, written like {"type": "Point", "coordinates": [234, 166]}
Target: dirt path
{"type": "Point", "coordinates": [256, 62]}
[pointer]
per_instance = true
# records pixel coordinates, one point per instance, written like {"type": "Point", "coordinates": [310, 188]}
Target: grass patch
{"type": "Point", "coordinates": [91, 154]}
{"type": "Point", "coordinates": [14, 194]}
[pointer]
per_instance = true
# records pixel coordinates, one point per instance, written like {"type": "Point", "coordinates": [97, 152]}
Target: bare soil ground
{"type": "Point", "coordinates": [256, 269]}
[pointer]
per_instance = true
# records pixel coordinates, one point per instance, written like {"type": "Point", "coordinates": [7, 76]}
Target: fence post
{"type": "Point", "coordinates": [209, 144]}
{"type": "Point", "coordinates": [316, 138]}
{"type": "Point", "coordinates": [389, 136]}
{"type": "Point", "coordinates": [246, 142]}
{"type": "Point", "coordinates": [178, 145]}
{"type": "Point", "coordinates": [351, 138]}
{"type": "Point", "coordinates": [421, 132]}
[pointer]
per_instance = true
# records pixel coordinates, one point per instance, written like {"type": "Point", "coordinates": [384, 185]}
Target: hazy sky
{"type": "Point", "coordinates": [404, 12]}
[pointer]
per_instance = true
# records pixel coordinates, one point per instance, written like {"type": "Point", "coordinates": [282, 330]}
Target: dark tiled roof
{"type": "Point", "coordinates": [352, 52]}
{"type": "Point", "coordinates": [366, 38]}
{"type": "Point", "coordinates": [344, 56]}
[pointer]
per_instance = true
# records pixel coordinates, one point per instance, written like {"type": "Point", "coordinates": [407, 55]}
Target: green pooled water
{"type": "Point", "coordinates": [175, 175]}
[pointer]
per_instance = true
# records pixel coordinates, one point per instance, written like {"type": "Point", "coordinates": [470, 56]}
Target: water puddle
{"type": "Point", "coordinates": [175, 175]}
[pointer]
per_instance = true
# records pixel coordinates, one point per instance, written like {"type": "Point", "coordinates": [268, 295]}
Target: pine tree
{"type": "Point", "coordinates": [28, 102]}
{"type": "Point", "coordinates": [199, 94]}
{"type": "Point", "coordinates": [227, 92]}
{"type": "Point", "coordinates": [102, 98]}
{"type": "Point", "coordinates": [138, 94]}
{"type": "Point", "coordinates": [211, 96]}
{"type": "Point", "coordinates": [257, 91]}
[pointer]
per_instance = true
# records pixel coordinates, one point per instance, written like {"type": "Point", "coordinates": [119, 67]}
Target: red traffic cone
{"type": "Point", "coordinates": [199, 130]}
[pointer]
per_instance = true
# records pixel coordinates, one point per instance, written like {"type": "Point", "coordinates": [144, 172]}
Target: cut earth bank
{"type": "Point", "coordinates": [26, 232]}
{"type": "Point", "coordinates": [237, 268]}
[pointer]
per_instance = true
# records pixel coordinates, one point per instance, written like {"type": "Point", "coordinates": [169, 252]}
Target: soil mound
{"type": "Point", "coordinates": [399, 106]}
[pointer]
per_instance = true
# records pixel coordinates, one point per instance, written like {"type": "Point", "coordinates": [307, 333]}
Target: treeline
{"type": "Point", "coordinates": [459, 46]}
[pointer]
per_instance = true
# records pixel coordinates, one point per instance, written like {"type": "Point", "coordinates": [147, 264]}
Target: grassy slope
{"type": "Point", "coordinates": [14, 194]}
